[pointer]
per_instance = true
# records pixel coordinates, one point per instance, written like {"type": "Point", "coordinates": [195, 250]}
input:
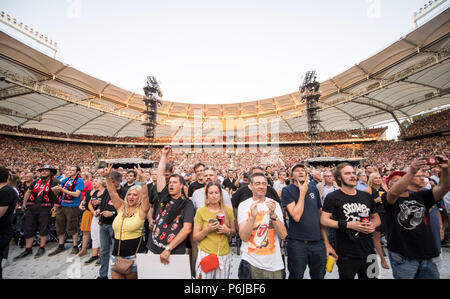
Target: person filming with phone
{"type": "Point", "coordinates": [411, 245]}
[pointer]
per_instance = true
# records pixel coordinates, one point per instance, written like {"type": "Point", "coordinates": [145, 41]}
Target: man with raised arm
{"type": "Point", "coordinates": [411, 244]}
{"type": "Point", "coordinates": [173, 214]}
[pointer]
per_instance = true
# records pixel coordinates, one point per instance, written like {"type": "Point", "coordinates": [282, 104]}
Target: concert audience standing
{"type": "Point", "coordinates": [230, 182]}
{"type": "Point", "coordinates": [107, 213]}
{"type": "Point", "coordinates": [280, 183]}
{"type": "Point", "coordinates": [377, 188]}
{"type": "Point", "coordinates": [213, 226]}
{"type": "Point", "coordinates": [22, 187]}
{"type": "Point", "coordinates": [261, 226]}
{"type": "Point", "coordinates": [348, 210]}
{"type": "Point", "coordinates": [67, 211]}
{"type": "Point", "coordinates": [93, 200]}
{"type": "Point", "coordinates": [325, 187]}
{"type": "Point", "coordinates": [328, 185]}
{"type": "Point", "coordinates": [245, 192]}
{"type": "Point", "coordinates": [307, 243]}
{"type": "Point", "coordinates": [152, 198]}
{"type": "Point", "coordinates": [8, 202]}
{"type": "Point", "coordinates": [198, 197]}
{"type": "Point", "coordinates": [386, 156]}
{"type": "Point", "coordinates": [173, 214]}
{"type": "Point", "coordinates": [316, 178]}
{"type": "Point", "coordinates": [39, 201]}
{"type": "Point", "coordinates": [199, 182]}
{"type": "Point", "coordinates": [12, 181]}
{"type": "Point", "coordinates": [411, 244]}
{"type": "Point", "coordinates": [198, 200]}
{"type": "Point", "coordinates": [128, 234]}
{"type": "Point", "coordinates": [362, 181]}
{"type": "Point", "coordinates": [130, 180]}
{"type": "Point", "coordinates": [86, 218]}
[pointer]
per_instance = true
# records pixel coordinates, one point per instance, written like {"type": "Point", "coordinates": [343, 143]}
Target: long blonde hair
{"type": "Point", "coordinates": [222, 206]}
{"type": "Point", "coordinates": [126, 206]}
{"type": "Point", "coordinates": [372, 177]}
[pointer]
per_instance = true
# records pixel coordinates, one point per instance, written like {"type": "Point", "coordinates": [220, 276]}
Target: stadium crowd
{"type": "Point", "coordinates": [439, 121]}
{"type": "Point", "coordinates": [283, 137]}
{"type": "Point", "coordinates": [263, 200]}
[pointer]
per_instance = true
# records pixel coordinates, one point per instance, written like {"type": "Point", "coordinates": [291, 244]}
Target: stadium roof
{"type": "Point", "coordinates": [410, 76]}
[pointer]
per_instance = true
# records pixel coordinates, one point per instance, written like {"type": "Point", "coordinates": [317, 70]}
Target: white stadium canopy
{"type": "Point", "coordinates": [410, 76]}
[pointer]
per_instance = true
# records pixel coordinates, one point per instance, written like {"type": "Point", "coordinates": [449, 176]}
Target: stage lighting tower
{"type": "Point", "coordinates": [309, 91]}
{"type": "Point", "coordinates": [152, 95]}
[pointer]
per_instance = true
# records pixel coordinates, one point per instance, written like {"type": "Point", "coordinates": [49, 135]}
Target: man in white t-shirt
{"type": "Point", "coordinates": [261, 227]}
{"type": "Point", "coordinates": [198, 198]}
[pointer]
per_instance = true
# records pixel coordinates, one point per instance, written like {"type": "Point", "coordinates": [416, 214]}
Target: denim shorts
{"type": "Point", "coordinates": [409, 268]}
{"type": "Point", "coordinates": [113, 258]}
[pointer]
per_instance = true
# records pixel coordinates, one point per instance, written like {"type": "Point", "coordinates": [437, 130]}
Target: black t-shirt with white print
{"type": "Point", "coordinates": [350, 243]}
{"type": "Point", "coordinates": [409, 230]}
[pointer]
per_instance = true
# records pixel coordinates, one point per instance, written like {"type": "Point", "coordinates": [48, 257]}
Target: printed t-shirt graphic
{"type": "Point", "coordinates": [262, 239]}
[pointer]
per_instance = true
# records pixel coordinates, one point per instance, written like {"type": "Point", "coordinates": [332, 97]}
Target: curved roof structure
{"type": "Point", "coordinates": [408, 77]}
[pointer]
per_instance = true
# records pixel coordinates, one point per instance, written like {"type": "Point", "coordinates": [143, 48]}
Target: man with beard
{"type": "Point", "coordinates": [411, 243]}
{"type": "Point", "coordinates": [353, 214]}
{"type": "Point", "coordinates": [38, 203]}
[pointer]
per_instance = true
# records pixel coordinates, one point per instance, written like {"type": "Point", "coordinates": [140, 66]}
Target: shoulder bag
{"type": "Point", "coordinates": [123, 265]}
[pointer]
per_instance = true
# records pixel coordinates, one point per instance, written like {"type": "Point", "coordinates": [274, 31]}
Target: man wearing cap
{"type": "Point", "coordinates": [411, 243]}
{"type": "Point", "coordinates": [307, 239]}
{"type": "Point", "coordinates": [38, 202]}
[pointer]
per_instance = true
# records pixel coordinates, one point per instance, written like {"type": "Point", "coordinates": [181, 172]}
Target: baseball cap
{"type": "Point", "coordinates": [395, 173]}
{"type": "Point", "coordinates": [297, 165]}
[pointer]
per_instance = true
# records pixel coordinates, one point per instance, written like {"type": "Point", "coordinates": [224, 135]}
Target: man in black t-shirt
{"type": "Point", "coordinates": [411, 244]}
{"type": "Point", "coordinates": [130, 182]}
{"type": "Point", "coordinates": [173, 214]}
{"type": "Point", "coordinates": [199, 182]}
{"type": "Point", "coordinates": [353, 214]}
{"type": "Point", "coordinates": [230, 182]}
{"type": "Point", "coordinates": [8, 201]}
{"type": "Point", "coordinates": [38, 202]}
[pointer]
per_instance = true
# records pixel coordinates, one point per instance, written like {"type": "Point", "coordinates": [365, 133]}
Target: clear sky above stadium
{"type": "Point", "coordinates": [211, 51]}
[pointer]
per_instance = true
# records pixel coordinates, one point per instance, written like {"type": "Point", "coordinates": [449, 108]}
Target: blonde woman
{"type": "Point", "coordinates": [129, 222]}
{"type": "Point", "coordinates": [211, 234]}
{"type": "Point", "coordinates": [377, 187]}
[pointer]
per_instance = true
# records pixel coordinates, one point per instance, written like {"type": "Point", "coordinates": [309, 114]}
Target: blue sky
{"type": "Point", "coordinates": [210, 51]}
